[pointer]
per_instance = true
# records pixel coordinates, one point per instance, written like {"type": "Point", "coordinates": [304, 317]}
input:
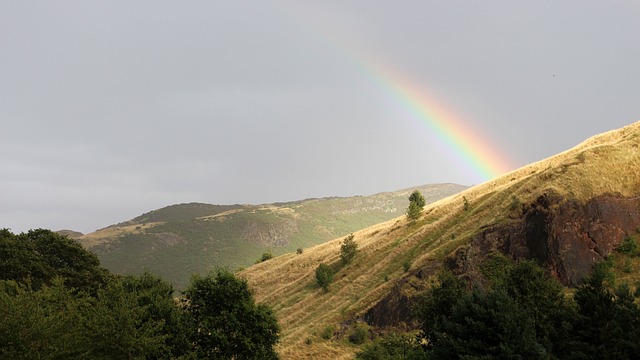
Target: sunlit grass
{"type": "Point", "coordinates": [605, 164]}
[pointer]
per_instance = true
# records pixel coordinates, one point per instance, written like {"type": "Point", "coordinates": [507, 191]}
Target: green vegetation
{"type": "Point", "coordinates": [348, 249]}
{"type": "Point", "coordinates": [56, 302]}
{"type": "Point", "coordinates": [359, 334]}
{"type": "Point", "coordinates": [324, 276]}
{"type": "Point", "coordinates": [179, 240]}
{"type": "Point", "coordinates": [629, 246]}
{"type": "Point", "coordinates": [392, 347]}
{"type": "Point", "coordinates": [267, 255]}
{"type": "Point", "coordinates": [416, 205]}
{"type": "Point", "coordinates": [225, 321]}
{"type": "Point", "coordinates": [524, 314]}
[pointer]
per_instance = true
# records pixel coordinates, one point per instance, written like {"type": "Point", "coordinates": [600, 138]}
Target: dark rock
{"type": "Point", "coordinates": [566, 236]}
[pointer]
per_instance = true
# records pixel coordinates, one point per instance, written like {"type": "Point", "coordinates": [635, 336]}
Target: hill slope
{"type": "Point", "coordinates": [567, 211]}
{"type": "Point", "coordinates": [179, 240]}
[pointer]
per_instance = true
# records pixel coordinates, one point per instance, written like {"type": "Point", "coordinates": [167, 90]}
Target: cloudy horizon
{"type": "Point", "coordinates": [112, 109]}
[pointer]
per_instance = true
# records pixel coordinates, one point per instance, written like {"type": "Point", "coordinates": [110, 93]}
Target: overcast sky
{"type": "Point", "coordinates": [109, 109]}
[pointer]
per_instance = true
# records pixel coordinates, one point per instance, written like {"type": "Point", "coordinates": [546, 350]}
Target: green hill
{"type": "Point", "coordinates": [179, 240]}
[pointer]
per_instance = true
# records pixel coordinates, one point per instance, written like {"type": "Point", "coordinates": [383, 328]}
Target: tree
{"type": "Point", "coordinates": [486, 325]}
{"type": "Point", "coordinates": [608, 322]}
{"type": "Point", "coordinates": [43, 255]}
{"type": "Point", "coordinates": [348, 249]}
{"type": "Point", "coordinates": [542, 297]}
{"type": "Point", "coordinates": [416, 204]}
{"type": "Point", "coordinates": [438, 303]}
{"type": "Point", "coordinates": [225, 321]}
{"type": "Point", "coordinates": [324, 276]}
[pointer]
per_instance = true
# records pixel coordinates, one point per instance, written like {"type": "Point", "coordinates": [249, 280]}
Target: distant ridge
{"type": "Point", "coordinates": [179, 240]}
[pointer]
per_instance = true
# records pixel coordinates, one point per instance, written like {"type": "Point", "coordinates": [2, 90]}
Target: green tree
{"type": "Point", "coordinates": [608, 322]}
{"type": "Point", "coordinates": [117, 327]}
{"type": "Point", "coordinates": [40, 324]}
{"type": "Point", "coordinates": [348, 249]}
{"type": "Point", "coordinates": [324, 276]}
{"type": "Point", "coordinates": [155, 297]}
{"type": "Point", "coordinates": [416, 204]}
{"type": "Point", "coordinates": [42, 255]}
{"type": "Point", "coordinates": [438, 303]}
{"type": "Point", "coordinates": [486, 325]}
{"type": "Point", "coordinates": [225, 321]}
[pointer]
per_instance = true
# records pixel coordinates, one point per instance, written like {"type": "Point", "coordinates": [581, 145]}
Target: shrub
{"type": "Point", "coordinates": [327, 332]}
{"type": "Point", "coordinates": [406, 265]}
{"type": "Point", "coordinates": [324, 276]}
{"type": "Point", "coordinates": [359, 335]}
{"type": "Point", "coordinates": [629, 246]}
{"type": "Point", "coordinates": [299, 251]}
{"type": "Point", "coordinates": [267, 255]}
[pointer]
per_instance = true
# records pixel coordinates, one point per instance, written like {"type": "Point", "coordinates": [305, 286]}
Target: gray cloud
{"type": "Point", "coordinates": [111, 109]}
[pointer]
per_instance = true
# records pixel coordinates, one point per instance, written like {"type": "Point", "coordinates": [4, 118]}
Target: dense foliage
{"type": "Point", "coordinates": [57, 303]}
{"type": "Point", "coordinates": [225, 321]}
{"type": "Point", "coordinates": [522, 314]}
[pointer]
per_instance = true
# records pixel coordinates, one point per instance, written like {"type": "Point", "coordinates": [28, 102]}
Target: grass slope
{"type": "Point", "coordinates": [179, 240]}
{"type": "Point", "coordinates": [605, 164]}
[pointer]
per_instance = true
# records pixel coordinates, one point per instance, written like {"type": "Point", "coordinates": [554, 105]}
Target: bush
{"type": "Point", "coordinates": [359, 335]}
{"type": "Point", "coordinates": [629, 246]}
{"type": "Point", "coordinates": [324, 276]}
{"type": "Point", "coordinates": [327, 332]}
{"type": "Point", "coordinates": [267, 255]}
{"type": "Point", "coordinates": [392, 347]}
{"type": "Point", "coordinates": [299, 251]}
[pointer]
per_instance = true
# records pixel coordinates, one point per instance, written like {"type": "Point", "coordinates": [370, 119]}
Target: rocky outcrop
{"type": "Point", "coordinates": [276, 233]}
{"type": "Point", "coordinates": [566, 236]}
{"type": "Point", "coordinates": [395, 309]}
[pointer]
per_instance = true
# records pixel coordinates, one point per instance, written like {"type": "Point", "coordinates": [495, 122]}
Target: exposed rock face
{"type": "Point", "coordinates": [271, 234]}
{"type": "Point", "coordinates": [567, 236]}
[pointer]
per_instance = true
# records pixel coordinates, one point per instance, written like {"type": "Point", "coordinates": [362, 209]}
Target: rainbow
{"type": "Point", "coordinates": [456, 136]}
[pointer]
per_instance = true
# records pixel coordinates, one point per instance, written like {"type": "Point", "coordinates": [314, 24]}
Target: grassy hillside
{"type": "Point", "coordinates": [179, 240]}
{"type": "Point", "coordinates": [315, 323]}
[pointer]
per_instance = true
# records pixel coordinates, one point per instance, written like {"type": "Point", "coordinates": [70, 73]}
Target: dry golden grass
{"type": "Point", "coordinates": [104, 235]}
{"type": "Point", "coordinates": [605, 164]}
{"type": "Point", "coordinates": [220, 215]}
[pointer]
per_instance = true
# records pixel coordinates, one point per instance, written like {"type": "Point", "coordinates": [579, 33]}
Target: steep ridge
{"type": "Point", "coordinates": [179, 240]}
{"type": "Point", "coordinates": [567, 211]}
